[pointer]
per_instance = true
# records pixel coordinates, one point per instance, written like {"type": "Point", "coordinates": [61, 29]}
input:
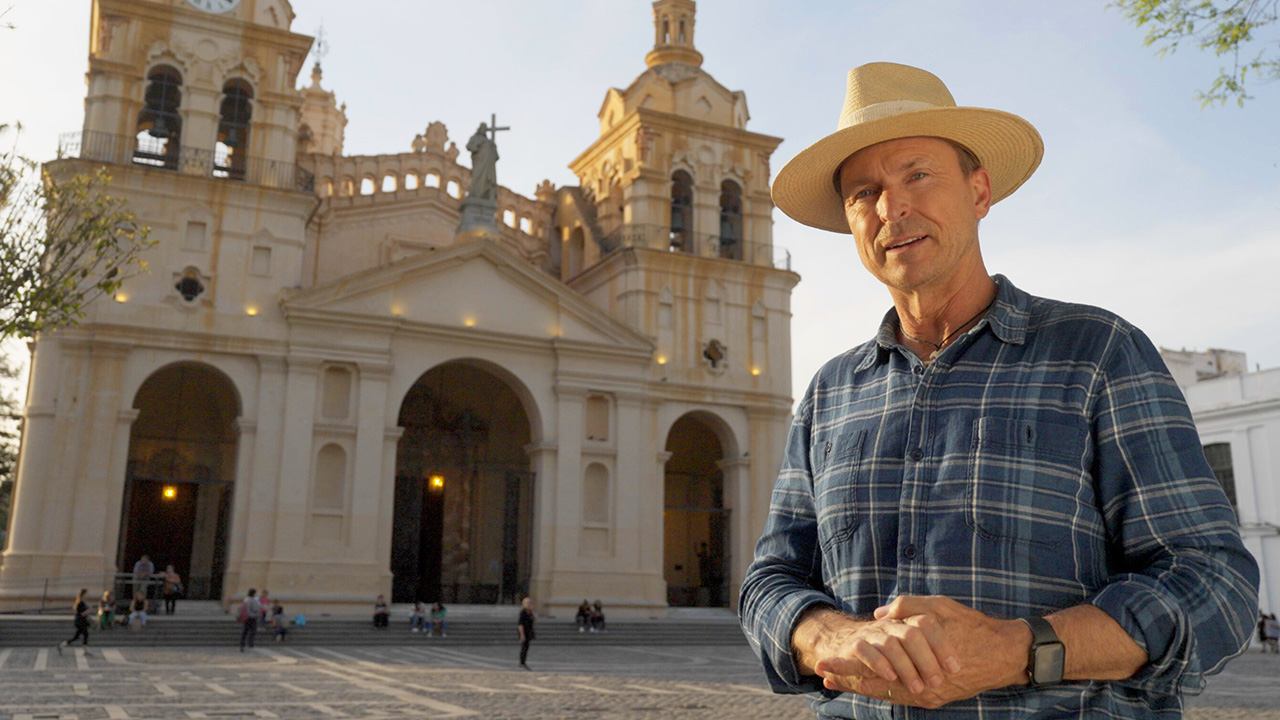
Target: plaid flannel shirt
{"type": "Point", "coordinates": [1045, 459]}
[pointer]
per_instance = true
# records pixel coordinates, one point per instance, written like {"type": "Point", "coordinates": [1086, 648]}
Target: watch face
{"type": "Point", "coordinates": [1047, 663]}
{"type": "Point", "coordinates": [214, 6]}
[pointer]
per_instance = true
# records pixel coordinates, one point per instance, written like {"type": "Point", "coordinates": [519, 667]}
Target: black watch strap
{"type": "Point", "coordinates": [1047, 657]}
{"type": "Point", "coordinates": [1041, 631]}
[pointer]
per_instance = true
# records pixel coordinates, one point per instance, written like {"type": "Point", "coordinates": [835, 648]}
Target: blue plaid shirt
{"type": "Point", "coordinates": [1045, 459]}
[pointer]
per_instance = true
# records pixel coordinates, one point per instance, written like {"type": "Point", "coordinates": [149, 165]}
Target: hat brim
{"type": "Point", "coordinates": [1005, 144]}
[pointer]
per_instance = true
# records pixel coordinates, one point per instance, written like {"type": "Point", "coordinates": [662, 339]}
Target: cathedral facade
{"type": "Point", "coordinates": [330, 385]}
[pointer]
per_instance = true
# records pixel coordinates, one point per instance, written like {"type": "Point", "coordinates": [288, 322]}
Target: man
{"type": "Point", "coordinates": [999, 507]}
{"type": "Point", "coordinates": [142, 572]}
{"type": "Point", "coordinates": [250, 611]}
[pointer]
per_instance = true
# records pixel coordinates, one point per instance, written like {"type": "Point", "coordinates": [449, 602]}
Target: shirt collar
{"type": "Point", "coordinates": [1008, 321]}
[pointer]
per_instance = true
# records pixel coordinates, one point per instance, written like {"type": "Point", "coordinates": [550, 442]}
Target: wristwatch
{"type": "Point", "coordinates": [1047, 657]}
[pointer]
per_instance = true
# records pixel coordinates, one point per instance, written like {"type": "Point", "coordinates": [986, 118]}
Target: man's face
{"type": "Point", "coordinates": [913, 213]}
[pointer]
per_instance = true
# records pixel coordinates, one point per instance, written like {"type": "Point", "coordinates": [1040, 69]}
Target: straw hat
{"type": "Point", "coordinates": [887, 101]}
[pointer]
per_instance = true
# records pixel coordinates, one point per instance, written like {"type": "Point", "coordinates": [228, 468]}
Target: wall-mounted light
{"type": "Point", "coordinates": [662, 359]}
{"type": "Point", "coordinates": [436, 482]}
{"type": "Point", "coordinates": [170, 492]}
{"type": "Point", "coordinates": [251, 310]}
{"type": "Point", "coordinates": [755, 371]}
{"type": "Point", "coordinates": [120, 297]}
{"type": "Point", "coordinates": [469, 322]}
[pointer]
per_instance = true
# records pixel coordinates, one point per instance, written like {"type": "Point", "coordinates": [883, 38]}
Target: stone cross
{"type": "Point", "coordinates": [493, 127]}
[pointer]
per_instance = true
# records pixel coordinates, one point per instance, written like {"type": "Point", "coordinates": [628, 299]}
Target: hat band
{"type": "Point", "coordinates": [882, 110]}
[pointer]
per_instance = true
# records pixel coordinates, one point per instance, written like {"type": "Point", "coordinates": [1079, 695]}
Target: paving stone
{"type": "Point", "coordinates": [595, 682]}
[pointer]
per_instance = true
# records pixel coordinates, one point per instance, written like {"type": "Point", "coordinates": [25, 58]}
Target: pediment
{"type": "Point", "coordinates": [475, 286]}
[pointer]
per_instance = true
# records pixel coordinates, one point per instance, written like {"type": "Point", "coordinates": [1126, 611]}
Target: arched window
{"type": "Point", "coordinates": [681, 211]}
{"type": "Point", "coordinates": [159, 130]}
{"type": "Point", "coordinates": [389, 183]}
{"type": "Point", "coordinates": [331, 478]}
{"type": "Point", "coordinates": [730, 220]}
{"type": "Point", "coordinates": [233, 130]}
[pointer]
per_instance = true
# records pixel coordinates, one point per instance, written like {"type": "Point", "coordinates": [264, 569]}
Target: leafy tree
{"type": "Point", "coordinates": [1227, 27]}
{"type": "Point", "coordinates": [9, 431]}
{"type": "Point", "coordinates": [63, 242]}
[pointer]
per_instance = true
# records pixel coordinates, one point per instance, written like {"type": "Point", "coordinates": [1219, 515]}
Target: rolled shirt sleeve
{"type": "Point", "coordinates": [784, 580]}
{"type": "Point", "coordinates": [1182, 584]}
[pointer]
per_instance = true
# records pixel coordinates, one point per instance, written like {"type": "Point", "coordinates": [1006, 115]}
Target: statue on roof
{"type": "Point", "coordinates": [480, 206]}
{"type": "Point", "coordinates": [484, 165]}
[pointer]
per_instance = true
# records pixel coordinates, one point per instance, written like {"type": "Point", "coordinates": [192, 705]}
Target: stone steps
{"type": "Point", "coordinates": [173, 631]}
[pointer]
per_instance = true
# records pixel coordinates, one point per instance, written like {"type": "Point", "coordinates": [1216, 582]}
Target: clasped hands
{"type": "Point", "coordinates": [923, 651]}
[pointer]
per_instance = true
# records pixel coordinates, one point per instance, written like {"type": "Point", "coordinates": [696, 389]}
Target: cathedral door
{"type": "Point", "coordinates": [695, 520]}
{"type": "Point", "coordinates": [180, 476]}
{"type": "Point", "coordinates": [463, 523]}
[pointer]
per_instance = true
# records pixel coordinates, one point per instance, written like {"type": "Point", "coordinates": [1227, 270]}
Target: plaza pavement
{"type": "Point", "coordinates": [421, 681]}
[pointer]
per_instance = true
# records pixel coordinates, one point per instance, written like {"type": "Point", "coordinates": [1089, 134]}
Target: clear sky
{"type": "Point", "coordinates": [1144, 204]}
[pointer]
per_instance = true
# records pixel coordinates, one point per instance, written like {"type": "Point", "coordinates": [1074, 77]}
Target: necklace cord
{"type": "Point", "coordinates": [938, 346]}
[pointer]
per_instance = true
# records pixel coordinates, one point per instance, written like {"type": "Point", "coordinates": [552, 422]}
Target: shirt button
{"type": "Point", "coordinates": [909, 552]}
{"type": "Point", "coordinates": [917, 454]}
{"type": "Point", "coordinates": [919, 369]}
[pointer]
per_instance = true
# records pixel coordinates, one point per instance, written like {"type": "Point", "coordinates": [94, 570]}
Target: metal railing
{"type": "Point", "coordinates": [166, 155]}
{"type": "Point", "coordinates": [659, 237]}
{"type": "Point", "coordinates": [55, 592]}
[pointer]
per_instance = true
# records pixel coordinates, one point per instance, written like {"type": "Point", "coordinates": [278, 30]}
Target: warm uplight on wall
{"type": "Point", "coordinates": [437, 482]}
{"type": "Point", "coordinates": [121, 297]}
{"type": "Point", "coordinates": [662, 359]}
{"type": "Point", "coordinates": [755, 371]}
{"type": "Point", "coordinates": [469, 322]}
{"type": "Point", "coordinates": [170, 492]}
{"type": "Point", "coordinates": [397, 310]}
{"type": "Point", "coordinates": [251, 310]}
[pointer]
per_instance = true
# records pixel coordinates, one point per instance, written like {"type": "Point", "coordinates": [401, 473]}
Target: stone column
{"type": "Point", "coordinates": [654, 505]}
{"type": "Point", "coordinates": [373, 486]}
{"type": "Point", "coordinates": [543, 458]}
{"type": "Point", "coordinates": [259, 459]}
{"type": "Point", "coordinates": [113, 508]}
{"type": "Point", "coordinates": [568, 478]}
{"type": "Point", "coordinates": [382, 552]}
{"type": "Point", "coordinates": [737, 500]}
{"type": "Point", "coordinates": [291, 491]}
{"type": "Point", "coordinates": [90, 475]}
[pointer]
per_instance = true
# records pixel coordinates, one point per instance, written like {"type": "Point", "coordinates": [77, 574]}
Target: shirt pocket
{"type": "Point", "coordinates": [1024, 481]}
{"type": "Point", "coordinates": [835, 487]}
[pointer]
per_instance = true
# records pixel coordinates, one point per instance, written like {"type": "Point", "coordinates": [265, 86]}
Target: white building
{"type": "Point", "coordinates": [1238, 416]}
{"type": "Point", "coordinates": [322, 387]}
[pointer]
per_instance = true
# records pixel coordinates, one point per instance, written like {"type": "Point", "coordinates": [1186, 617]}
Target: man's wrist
{"type": "Point", "coordinates": [1017, 643]}
{"type": "Point", "coordinates": [819, 630]}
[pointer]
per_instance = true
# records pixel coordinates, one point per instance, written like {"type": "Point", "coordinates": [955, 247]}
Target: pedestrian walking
{"type": "Point", "coordinates": [525, 629]}
{"type": "Point", "coordinates": [250, 611]}
{"type": "Point", "coordinates": [81, 620]}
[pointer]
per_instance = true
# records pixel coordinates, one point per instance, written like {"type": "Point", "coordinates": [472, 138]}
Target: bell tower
{"type": "Point", "coordinates": [673, 34]}
{"type": "Point", "coordinates": [679, 186]}
{"type": "Point", "coordinates": [197, 86]}
{"type": "Point", "coordinates": [192, 110]}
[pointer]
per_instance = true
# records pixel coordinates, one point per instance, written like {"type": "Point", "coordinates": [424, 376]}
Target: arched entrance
{"type": "Point", "coordinates": [180, 475]}
{"type": "Point", "coordinates": [695, 521]}
{"type": "Point", "coordinates": [464, 493]}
